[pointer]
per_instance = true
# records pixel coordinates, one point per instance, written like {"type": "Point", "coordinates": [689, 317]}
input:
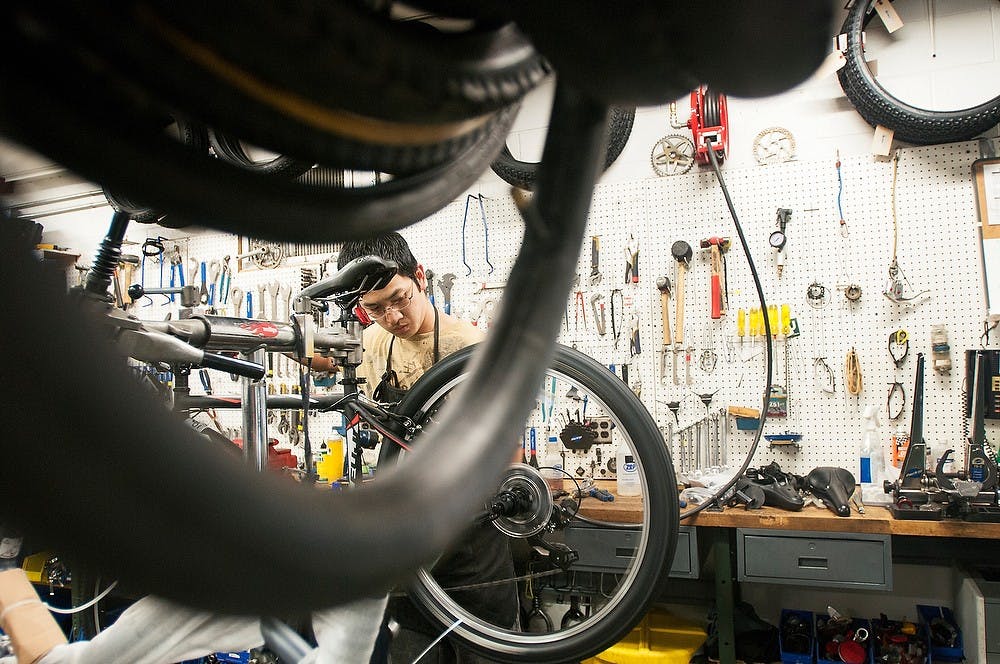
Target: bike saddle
{"type": "Point", "coordinates": [778, 488]}
{"type": "Point", "coordinates": [363, 274]}
{"type": "Point", "coordinates": [834, 486]}
{"type": "Point", "coordinates": [747, 493]}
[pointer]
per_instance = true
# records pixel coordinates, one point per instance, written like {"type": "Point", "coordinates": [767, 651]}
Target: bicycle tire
{"type": "Point", "coordinates": [878, 107]}
{"type": "Point", "coordinates": [190, 135]}
{"type": "Point", "coordinates": [231, 149]}
{"type": "Point", "coordinates": [522, 174]}
{"type": "Point", "coordinates": [641, 581]}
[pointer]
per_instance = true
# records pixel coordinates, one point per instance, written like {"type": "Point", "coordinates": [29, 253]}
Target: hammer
{"type": "Point", "coordinates": [663, 285]}
{"type": "Point", "coordinates": [682, 253]}
{"type": "Point", "coordinates": [718, 246]}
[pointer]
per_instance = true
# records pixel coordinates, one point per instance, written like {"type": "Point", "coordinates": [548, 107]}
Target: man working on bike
{"type": "Point", "coordinates": [411, 335]}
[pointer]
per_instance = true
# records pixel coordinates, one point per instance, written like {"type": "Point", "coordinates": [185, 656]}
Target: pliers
{"type": "Point", "coordinates": [632, 261]}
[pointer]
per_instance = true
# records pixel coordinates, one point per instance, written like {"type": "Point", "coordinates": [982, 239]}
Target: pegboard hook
{"type": "Point", "coordinates": [486, 232]}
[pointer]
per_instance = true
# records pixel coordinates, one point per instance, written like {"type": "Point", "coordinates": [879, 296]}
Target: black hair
{"type": "Point", "coordinates": [390, 246]}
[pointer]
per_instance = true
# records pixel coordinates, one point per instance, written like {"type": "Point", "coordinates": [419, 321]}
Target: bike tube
{"type": "Point", "coordinates": [878, 107]}
{"type": "Point", "coordinates": [107, 476]}
{"type": "Point", "coordinates": [619, 594]}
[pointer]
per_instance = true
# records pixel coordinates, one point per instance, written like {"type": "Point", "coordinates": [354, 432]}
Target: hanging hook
{"type": "Point", "coordinates": [486, 232]}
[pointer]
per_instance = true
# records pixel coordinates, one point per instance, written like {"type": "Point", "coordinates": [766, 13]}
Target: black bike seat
{"type": "Point", "coordinates": [346, 285]}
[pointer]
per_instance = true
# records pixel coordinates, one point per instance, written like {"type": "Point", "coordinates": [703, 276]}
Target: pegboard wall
{"type": "Point", "coordinates": [476, 239]}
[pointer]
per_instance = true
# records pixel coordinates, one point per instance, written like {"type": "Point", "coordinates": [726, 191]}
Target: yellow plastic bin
{"type": "Point", "coordinates": [661, 637]}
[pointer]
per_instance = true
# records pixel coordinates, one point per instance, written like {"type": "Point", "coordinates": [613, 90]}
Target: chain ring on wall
{"type": "Point", "coordinates": [773, 146]}
{"type": "Point", "coordinates": [672, 155]}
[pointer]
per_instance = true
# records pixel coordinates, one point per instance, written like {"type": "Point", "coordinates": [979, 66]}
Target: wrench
{"type": "Point", "coordinates": [215, 267]}
{"type": "Point", "coordinates": [445, 284]}
{"type": "Point", "coordinates": [273, 289]}
{"type": "Point", "coordinates": [261, 298]}
{"type": "Point", "coordinates": [429, 274]}
{"type": "Point", "coordinates": [236, 294]}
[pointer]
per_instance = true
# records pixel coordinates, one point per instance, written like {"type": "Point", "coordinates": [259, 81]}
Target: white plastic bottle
{"type": "Point", "coordinates": [627, 473]}
{"type": "Point", "coordinates": [872, 463]}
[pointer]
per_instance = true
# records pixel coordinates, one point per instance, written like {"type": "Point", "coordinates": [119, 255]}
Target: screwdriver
{"type": "Point", "coordinates": [786, 320]}
{"type": "Point", "coordinates": [741, 324]}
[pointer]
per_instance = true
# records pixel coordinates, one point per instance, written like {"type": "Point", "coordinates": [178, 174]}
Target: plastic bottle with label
{"type": "Point", "coordinates": [872, 460]}
{"type": "Point", "coordinates": [627, 472]}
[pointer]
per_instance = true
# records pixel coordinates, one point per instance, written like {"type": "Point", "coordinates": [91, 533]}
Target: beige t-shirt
{"type": "Point", "coordinates": [412, 357]}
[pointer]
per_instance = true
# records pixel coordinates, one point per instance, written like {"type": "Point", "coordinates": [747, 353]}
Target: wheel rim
{"type": "Point", "coordinates": [617, 599]}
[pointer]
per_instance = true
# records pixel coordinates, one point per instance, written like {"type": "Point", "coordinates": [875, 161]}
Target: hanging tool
{"type": "Point", "coordinates": [853, 383]}
{"type": "Point", "coordinates": [236, 295]}
{"type": "Point", "coordinates": [262, 298]}
{"type": "Point", "coordinates": [486, 232]}
{"type": "Point", "coordinates": [663, 285]}
{"type": "Point", "coordinates": [634, 347]}
{"type": "Point", "coordinates": [445, 284]}
{"type": "Point", "coordinates": [898, 395]}
{"type": "Point", "coordinates": [225, 281]}
{"type": "Point", "coordinates": [597, 307]}
{"type": "Point", "coordinates": [718, 246]}
{"type": "Point", "coordinates": [429, 275]}
{"type": "Point", "coordinates": [176, 270]}
{"type": "Point", "coordinates": [215, 269]}
{"type": "Point", "coordinates": [617, 316]}
{"type": "Point", "coordinates": [682, 253]}
{"type": "Point", "coordinates": [595, 260]}
{"type": "Point", "coordinates": [778, 239]}
{"type": "Point", "coordinates": [579, 309]}
{"type": "Point", "coordinates": [632, 261]}
{"type": "Point", "coordinates": [272, 290]}
{"type": "Point", "coordinates": [899, 346]}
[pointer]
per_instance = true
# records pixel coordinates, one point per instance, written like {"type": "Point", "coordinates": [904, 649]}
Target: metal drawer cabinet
{"type": "Point", "coordinates": [840, 560]}
{"type": "Point", "coordinates": [609, 550]}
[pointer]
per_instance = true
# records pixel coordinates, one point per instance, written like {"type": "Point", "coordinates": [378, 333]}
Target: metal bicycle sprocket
{"type": "Point", "coordinates": [773, 146]}
{"type": "Point", "coordinates": [672, 155]}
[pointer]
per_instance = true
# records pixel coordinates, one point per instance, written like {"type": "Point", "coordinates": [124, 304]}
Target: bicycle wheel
{"type": "Point", "coordinates": [625, 547]}
{"type": "Point", "coordinates": [522, 174]}
{"type": "Point", "coordinates": [879, 107]}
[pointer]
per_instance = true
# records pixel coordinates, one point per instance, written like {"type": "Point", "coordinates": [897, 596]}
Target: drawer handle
{"type": "Point", "coordinates": [813, 563]}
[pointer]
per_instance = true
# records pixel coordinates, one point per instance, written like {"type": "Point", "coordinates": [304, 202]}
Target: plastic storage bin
{"type": "Point", "coordinates": [661, 638]}
{"type": "Point", "coordinates": [852, 632]}
{"type": "Point", "coordinates": [796, 636]}
{"type": "Point", "coordinates": [944, 633]}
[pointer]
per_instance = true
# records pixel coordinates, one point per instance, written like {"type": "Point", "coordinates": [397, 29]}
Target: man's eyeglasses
{"type": "Point", "coordinates": [398, 304]}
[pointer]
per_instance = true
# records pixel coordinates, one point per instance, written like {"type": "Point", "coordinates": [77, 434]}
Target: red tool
{"type": "Point", "coordinates": [718, 246]}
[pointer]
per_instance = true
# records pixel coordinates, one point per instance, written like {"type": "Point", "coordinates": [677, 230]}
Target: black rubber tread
{"type": "Point", "coordinates": [104, 144]}
{"type": "Point", "coordinates": [345, 56]}
{"type": "Point", "coordinates": [191, 135]}
{"type": "Point", "coordinates": [230, 148]}
{"type": "Point", "coordinates": [878, 107]}
{"type": "Point", "coordinates": [661, 492]}
{"type": "Point", "coordinates": [103, 60]}
{"type": "Point", "coordinates": [522, 174]}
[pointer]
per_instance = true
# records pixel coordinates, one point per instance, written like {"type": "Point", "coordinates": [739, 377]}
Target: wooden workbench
{"type": "Point", "coordinates": [877, 520]}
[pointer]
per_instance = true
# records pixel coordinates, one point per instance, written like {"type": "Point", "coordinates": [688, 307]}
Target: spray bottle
{"type": "Point", "coordinates": [872, 460]}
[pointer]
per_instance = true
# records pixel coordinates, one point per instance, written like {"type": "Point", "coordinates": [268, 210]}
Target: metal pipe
{"type": "Point", "coordinates": [255, 416]}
